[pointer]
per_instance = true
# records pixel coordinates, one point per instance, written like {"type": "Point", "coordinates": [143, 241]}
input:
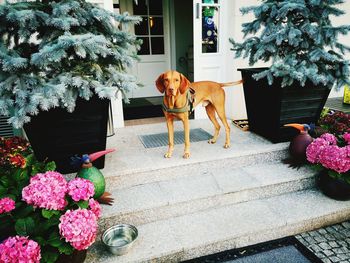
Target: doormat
{"type": "Point", "coordinates": [285, 250]}
{"type": "Point", "coordinates": [241, 124]}
{"type": "Point", "coordinates": [161, 139]}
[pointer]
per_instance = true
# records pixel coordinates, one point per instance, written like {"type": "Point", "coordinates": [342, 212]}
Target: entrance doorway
{"type": "Point", "coordinates": [166, 30]}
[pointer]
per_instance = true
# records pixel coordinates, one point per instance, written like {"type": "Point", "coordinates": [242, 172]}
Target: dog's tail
{"type": "Point", "coordinates": [234, 83]}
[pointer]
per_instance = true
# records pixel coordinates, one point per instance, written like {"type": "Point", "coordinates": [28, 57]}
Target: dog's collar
{"type": "Point", "coordinates": [188, 105]}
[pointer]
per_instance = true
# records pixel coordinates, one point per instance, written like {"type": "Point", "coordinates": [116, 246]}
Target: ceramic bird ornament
{"type": "Point", "coordinates": [90, 172]}
{"type": "Point", "coordinates": [299, 143]}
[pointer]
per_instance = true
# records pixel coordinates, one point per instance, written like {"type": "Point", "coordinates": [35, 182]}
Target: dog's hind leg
{"type": "Point", "coordinates": [211, 114]}
{"type": "Point", "coordinates": [220, 110]}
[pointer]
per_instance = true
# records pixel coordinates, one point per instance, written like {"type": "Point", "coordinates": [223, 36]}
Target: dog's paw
{"type": "Point", "coordinates": [212, 141]}
{"type": "Point", "coordinates": [168, 155]}
{"type": "Point", "coordinates": [186, 155]}
{"type": "Point", "coordinates": [226, 146]}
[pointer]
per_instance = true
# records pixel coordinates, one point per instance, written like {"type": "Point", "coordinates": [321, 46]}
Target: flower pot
{"type": "Point", "coordinates": [333, 187]}
{"type": "Point", "coordinates": [57, 135]}
{"type": "Point", "coordinates": [270, 107]}
{"type": "Point", "coordinates": [76, 257]}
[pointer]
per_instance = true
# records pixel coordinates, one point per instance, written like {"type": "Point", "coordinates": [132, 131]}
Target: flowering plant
{"type": "Point", "coordinates": [336, 123]}
{"type": "Point", "coordinates": [331, 153]}
{"type": "Point", "coordinates": [42, 215]}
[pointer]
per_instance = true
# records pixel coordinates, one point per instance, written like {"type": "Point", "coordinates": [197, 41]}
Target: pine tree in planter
{"type": "Point", "coordinates": [299, 40]}
{"type": "Point", "coordinates": [58, 56]}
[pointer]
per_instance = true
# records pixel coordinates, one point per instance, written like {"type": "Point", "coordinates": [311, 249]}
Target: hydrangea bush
{"type": "Point", "coordinates": [332, 154]}
{"type": "Point", "coordinates": [46, 215]}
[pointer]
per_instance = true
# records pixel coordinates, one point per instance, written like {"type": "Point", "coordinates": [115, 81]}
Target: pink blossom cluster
{"type": "Point", "coordinates": [18, 250]}
{"type": "Point", "coordinates": [6, 205]}
{"type": "Point", "coordinates": [324, 151]}
{"type": "Point", "coordinates": [95, 207]}
{"type": "Point", "coordinates": [346, 137]}
{"type": "Point", "coordinates": [47, 191]}
{"type": "Point", "coordinates": [79, 228]}
{"type": "Point", "coordinates": [80, 189]}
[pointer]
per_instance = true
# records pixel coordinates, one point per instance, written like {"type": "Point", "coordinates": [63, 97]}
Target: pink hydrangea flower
{"type": "Point", "coordinates": [47, 191]}
{"type": "Point", "coordinates": [18, 250]}
{"type": "Point", "coordinates": [335, 158]}
{"type": "Point", "coordinates": [6, 205]}
{"type": "Point", "coordinates": [346, 137]}
{"type": "Point", "coordinates": [95, 207]}
{"type": "Point", "coordinates": [329, 138]}
{"type": "Point", "coordinates": [314, 149]}
{"type": "Point", "coordinates": [79, 228]}
{"type": "Point", "coordinates": [81, 189]}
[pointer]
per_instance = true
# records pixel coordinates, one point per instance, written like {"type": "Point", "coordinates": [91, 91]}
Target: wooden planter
{"type": "Point", "coordinates": [270, 107]}
{"type": "Point", "coordinates": [57, 135]}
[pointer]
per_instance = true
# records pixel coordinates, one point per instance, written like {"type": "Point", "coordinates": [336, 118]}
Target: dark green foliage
{"type": "Point", "coordinates": [51, 52]}
{"type": "Point", "coordinates": [299, 40]}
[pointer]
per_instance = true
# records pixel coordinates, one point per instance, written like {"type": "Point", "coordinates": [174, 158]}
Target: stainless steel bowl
{"type": "Point", "coordinates": [120, 238]}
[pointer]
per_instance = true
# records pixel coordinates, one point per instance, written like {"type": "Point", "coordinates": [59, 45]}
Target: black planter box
{"type": "Point", "coordinates": [270, 107]}
{"type": "Point", "coordinates": [57, 135]}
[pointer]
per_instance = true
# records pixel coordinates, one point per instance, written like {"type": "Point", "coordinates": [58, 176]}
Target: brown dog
{"type": "Point", "coordinates": [181, 96]}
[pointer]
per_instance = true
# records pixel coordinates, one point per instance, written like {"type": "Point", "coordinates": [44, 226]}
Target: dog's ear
{"type": "Point", "coordinates": [185, 84]}
{"type": "Point", "coordinates": [160, 83]}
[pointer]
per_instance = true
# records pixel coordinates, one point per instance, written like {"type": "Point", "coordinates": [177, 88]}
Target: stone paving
{"type": "Point", "coordinates": [330, 244]}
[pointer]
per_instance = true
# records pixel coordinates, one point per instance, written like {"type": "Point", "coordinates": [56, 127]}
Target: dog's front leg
{"type": "Point", "coordinates": [170, 125]}
{"type": "Point", "coordinates": [186, 124]}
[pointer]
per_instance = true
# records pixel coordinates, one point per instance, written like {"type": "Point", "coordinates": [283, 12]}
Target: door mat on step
{"type": "Point", "coordinates": [161, 139]}
{"type": "Point", "coordinates": [241, 124]}
{"type": "Point", "coordinates": [285, 250]}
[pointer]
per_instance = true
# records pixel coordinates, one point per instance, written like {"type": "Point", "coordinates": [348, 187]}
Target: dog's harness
{"type": "Point", "coordinates": [188, 105]}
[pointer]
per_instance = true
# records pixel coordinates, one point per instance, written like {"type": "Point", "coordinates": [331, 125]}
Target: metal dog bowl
{"type": "Point", "coordinates": [120, 238]}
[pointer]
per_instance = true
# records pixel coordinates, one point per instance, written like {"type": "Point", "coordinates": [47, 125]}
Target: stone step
{"type": "Point", "coordinates": [169, 169]}
{"type": "Point", "coordinates": [203, 189]}
{"type": "Point", "coordinates": [227, 227]}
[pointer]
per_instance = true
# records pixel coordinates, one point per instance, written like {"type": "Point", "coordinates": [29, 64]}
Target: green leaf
{"type": "Point", "coordinates": [4, 181]}
{"type": "Point", "coordinates": [40, 240]}
{"type": "Point", "coordinates": [54, 239]}
{"type": "Point", "coordinates": [21, 175]}
{"type": "Point", "coordinates": [66, 249]}
{"type": "Point", "coordinates": [49, 256]}
{"type": "Point", "coordinates": [83, 204]}
{"type": "Point", "coordinates": [51, 166]}
{"type": "Point", "coordinates": [23, 211]}
{"type": "Point", "coordinates": [30, 159]}
{"type": "Point", "coordinates": [49, 213]}
{"type": "Point", "coordinates": [3, 190]}
{"type": "Point", "coordinates": [25, 226]}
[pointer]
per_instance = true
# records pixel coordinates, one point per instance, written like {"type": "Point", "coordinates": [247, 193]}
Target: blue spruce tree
{"type": "Point", "coordinates": [299, 40]}
{"type": "Point", "coordinates": [53, 51]}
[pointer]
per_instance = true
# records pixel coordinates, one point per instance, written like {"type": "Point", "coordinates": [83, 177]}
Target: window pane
{"type": "Point", "coordinates": [210, 24]}
{"type": "Point", "coordinates": [140, 8]}
{"type": "Point", "coordinates": [156, 25]}
{"type": "Point", "coordinates": [157, 44]}
{"type": "Point", "coordinates": [210, 1]}
{"type": "Point", "coordinates": [155, 7]}
{"type": "Point", "coordinates": [144, 46]}
{"type": "Point", "coordinates": [142, 28]}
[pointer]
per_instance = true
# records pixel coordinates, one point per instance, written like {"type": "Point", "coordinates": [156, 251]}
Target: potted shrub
{"type": "Point", "coordinates": [331, 156]}
{"type": "Point", "coordinates": [43, 218]}
{"type": "Point", "coordinates": [300, 42]}
{"type": "Point", "coordinates": [61, 62]}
